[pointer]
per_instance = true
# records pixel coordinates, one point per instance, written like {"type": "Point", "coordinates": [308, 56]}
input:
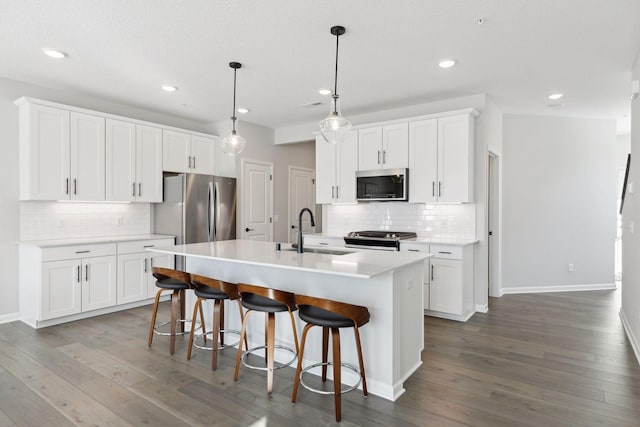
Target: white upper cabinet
{"type": "Point", "coordinates": [383, 147]}
{"type": "Point", "coordinates": [182, 152]}
{"type": "Point", "coordinates": [441, 160]}
{"type": "Point", "coordinates": [148, 164]}
{"type": "Point", "coordinates": [336, 167]}
{"type": "Point", "coordinates": [87, 157]}
{"type": "Point", "coordinates": [134, 162]}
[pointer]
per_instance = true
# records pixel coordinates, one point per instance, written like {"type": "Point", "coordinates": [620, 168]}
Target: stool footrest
{"type": "Point", "coordinates": [342, 391]}
{"type": "Point", "coordinates": [220, 347]}
{"type": "Point", "coordinates": [261, 368]}
{"type": "Point", "coordinates": [156, 329]}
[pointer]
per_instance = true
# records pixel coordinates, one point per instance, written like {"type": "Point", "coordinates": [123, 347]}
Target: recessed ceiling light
{"type": "Point", "coordinates": [243, 110]}
{"type": "Point", "coordinates": [169, 88]}
{"type": "Point", "coordinates": [555, 96]}
{"type": "Point", "coordinates": [446, 63]}
{"type": "Point", "coordinates": [324, 91]}
{"type": "Point", "coordinates": [54, 53]}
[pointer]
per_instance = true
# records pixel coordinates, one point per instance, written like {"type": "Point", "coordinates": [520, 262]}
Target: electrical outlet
{"type": "Point", "coordinates": [630, 187]}
{"type": "Point", "coordinates": [570, 268]}
{"type": "Point", "coordinates": [119, 221]}
{"type": "Point", "coordinates": [276, 218]}
{"type": "Point", "coordinates": [60, 223]}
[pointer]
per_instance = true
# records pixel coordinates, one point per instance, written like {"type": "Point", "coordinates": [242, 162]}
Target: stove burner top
{"type": "Point", "coordinates": [389, 240]}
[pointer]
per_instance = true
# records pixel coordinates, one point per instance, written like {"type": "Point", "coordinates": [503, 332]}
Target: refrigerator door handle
{"type": "Point", "coordinates": [216, 190]}
{"type": "Point", "coordinates": [209, 208]}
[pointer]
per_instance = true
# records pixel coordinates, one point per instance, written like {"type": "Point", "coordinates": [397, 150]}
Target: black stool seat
{"type": "Point", "coordinates": [169, 283]}
{"type": "Point", "coordinates": [320, 317]}
{"type": "Point", "coordinates": [262, 304]}
{"type": "Point", "coordinates": [210, 293]}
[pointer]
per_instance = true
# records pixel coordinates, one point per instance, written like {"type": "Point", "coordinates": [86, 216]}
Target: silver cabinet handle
{"type": "Point", "coordinates": [431, 272]}
{"type": "Point", "coordinates": [189, 162]}
{"type": "Point", "coordinates": [75, 186]}
{"type": "Point", "coordinates": [82, 252]}
{"type": "Point", "coordinates": [86, 272]}
{"type": "Point", "coordinates": [444, 252]}
{"type": "Point", "coordinates": [66, 191]}
{"type": "Point", "coordinates": [194, 162]}
{"type": "Point", "coordinates": [134, 190]}
{"type": "Point", "coordinates": [145, 265]}
{"type": "Point", "coordinates": [413, 250]}
{"type": "Point", "coordinates": [139, 189]}
{"type": "Point", "coordinates": [78, 279]}
{"type": "Point", "coordinates": [148, 246]}
{"type": "Point", "coordinates": [323, 243]}
{"type": "Point", "coordinates": [378, 156]}
{"type": "Point", "coordinates": [337, 191]}
{"type": "Point", "coordinates": [433, 188]}
{"type": "Point", "coordinates": [333, 192]}
{"type": "Point", "coordinates": [439, 188]}
{"type": "Point", "coordinates": [384, 156]}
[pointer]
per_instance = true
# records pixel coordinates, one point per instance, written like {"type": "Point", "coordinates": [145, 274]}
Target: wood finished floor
{"type": "Point", "coordinates": [557, 359]}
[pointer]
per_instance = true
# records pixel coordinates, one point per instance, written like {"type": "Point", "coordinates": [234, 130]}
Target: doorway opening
{"type": "Point", "coordinates": [493, 225]}
{"type": "Point", "coordinates": [302, 194]}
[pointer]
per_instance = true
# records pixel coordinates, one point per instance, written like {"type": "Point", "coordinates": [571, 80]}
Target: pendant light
{"type": "Point", "coordinates": [233, 144]}
{"type": "Point", "coordinates": [335, 127]}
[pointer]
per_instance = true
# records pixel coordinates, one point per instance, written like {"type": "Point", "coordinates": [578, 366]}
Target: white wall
{"type": "Point", "coordinates": [558, 201]}
{"type": "Point", "coordinates": [260, 146]}
{"type": "Point", "coordinates": [623, 148]}
{"type": "Point", "coordinates": [630, 311]}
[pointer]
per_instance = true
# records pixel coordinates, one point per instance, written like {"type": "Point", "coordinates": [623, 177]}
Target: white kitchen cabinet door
{"type": "Point", "coordinates": [176, 151]}
{"type": "Point", "coordinates": [87, 157]}
{"type": "Point", "coordinates": [455, 159]}
{"type": "Point", "coordinates": [423, 159]}
{"type": "Point", "coordinates": [395, 146]}
{"type": "Point", "coordinates": [45, 153]}
{"type": "Point", "coordinates": [98, 282]}
{"type": "Point", "coordinates": [325, 171]}
{"type": "Point", "coordinates": [445, 289]}
{"type": "Point", "coordinates": [121, 161]}
{"type": "Point", "coordinates": [133, 270]}
{"type": "Point", "coordinates": [61, 289]}
{"type": "Point", "coordinates": [370, 148]}
{"type": "Point", "coordinates": [203, 155]}
{"type": "Point", "coordinates": [347, 160]}
{"type": "Point", "coordinates": [157, 260]}
{"type": "Point", "coordinates": [148, 164]}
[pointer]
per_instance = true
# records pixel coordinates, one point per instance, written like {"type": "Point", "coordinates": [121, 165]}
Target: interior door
{"type": "Point", "coordinates": [301, 195]}
{"type": "Point", "coordinates": [257, 200]}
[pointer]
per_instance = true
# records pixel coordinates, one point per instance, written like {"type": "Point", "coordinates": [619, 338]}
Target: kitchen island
{"type": "Point", "coordinates": [389, 284]}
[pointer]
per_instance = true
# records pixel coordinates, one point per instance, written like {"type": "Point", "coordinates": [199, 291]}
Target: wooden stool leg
{"type": "Point", "coordinates": [182, 309]}
{"type": "Point", "coordinates": [216, 330]}
{"type": "Point", "coordinates": [197, 306]}
{"type": "Point", "coordinates": [361, 360]}
{"type": "Point", "coordinates": [202, 326]}
{"type": "Point", "coordinates": [325, 351]}
{"type": "Point", "coordinates": [242, 336]}
{"type": "Point", "coordinates": [174, 314]}
{"type": "Point", "coordinates": [337, 369]}
{"type": "Point", "coordinates": [296, 383]}
{"type": "Point", "coordinates": [153, 316]}
{"type": "Point", "coordinates": [271, 332]}
{"type": "Point", "coordinates": [246, 344]}
{"type": "Point", "coordinates": [221, 304]}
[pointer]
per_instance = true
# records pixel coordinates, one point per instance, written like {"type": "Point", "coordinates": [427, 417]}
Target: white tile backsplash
{"type": "Point", "coordinates": [428, 221]}
{"type": "Point", "coordinates": [68, 220]}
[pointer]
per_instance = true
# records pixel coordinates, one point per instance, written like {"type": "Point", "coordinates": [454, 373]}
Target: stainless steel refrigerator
{"type": "Point", "coordinates": [196, 208]}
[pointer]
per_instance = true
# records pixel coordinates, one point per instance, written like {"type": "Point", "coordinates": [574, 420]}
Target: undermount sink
{"type": "Point", "coordinates": [321, 251]}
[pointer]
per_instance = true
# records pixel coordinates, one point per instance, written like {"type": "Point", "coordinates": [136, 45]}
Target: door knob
{"type": "Point", "coordinates": [248, 229]}
{"type": "Point", "coordinates": [293, 226]}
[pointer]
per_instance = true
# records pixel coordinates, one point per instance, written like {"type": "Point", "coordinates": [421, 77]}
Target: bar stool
{"type": "Point", "coordinates": [218, 291]}
{"type": "Point", "coordinates": [270, 302]}
{"type": "Point", "coordinates": [331, 315]}
{"type": "Point", "coordinates": [168, 280]}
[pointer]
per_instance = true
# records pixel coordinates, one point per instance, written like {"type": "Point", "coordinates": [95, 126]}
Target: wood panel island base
{"type": "Point", "coordinates": [389, 284]}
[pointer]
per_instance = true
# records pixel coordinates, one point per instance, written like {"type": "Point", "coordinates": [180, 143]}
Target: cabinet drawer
{"type": "Point", "coordinates": [336, 242]}
{"type": "Point", "coordinates": [142, 245]}
{"type": "Point", "coordinates": [79, 251]}
{"type": "Point", "coordinates": [446, 251]}
{"type": "Point", "coordinates": [414, 247]}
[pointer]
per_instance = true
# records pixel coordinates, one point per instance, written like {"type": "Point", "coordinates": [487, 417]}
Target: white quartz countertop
{"type": "Point", "coordinates": [425, 240]}
{"type": "Point", "coordinates": [93, 240]}
{"type": "Point", "coordinates": [361, 264]}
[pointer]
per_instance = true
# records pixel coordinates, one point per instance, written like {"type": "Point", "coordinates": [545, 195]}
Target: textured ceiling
{"type": "Point", "coordinates": [124, 50]}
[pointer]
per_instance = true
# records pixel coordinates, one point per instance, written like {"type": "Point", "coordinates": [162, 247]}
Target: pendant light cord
{"type": "Point", "coordinates": [335, 81]}
{"type": "Point", "coordinates": [233, 113]}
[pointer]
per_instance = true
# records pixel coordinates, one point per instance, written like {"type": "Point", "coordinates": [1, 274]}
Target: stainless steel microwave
{"type": "Point", "coordinates": [382, 185]}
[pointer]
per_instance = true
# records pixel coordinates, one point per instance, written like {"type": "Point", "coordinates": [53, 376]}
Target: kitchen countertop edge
{"type": "Point", "coordinates": [93, 240]}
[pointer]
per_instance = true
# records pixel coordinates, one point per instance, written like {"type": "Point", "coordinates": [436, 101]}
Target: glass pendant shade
{"type": "Point", "coordinates": [233, 144]}
{"type": "Point", "coordinates": [335, 127]}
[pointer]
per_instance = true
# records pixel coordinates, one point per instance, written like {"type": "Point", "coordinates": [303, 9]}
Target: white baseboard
{"type": "Point", "coordinates": [11, 317]}
{"type": "Point", "coordinates": [480, 308]}
{"type": "Point", "coordinates": [558, 288]}
{"type": "Point", "coordinates": [629, 332]}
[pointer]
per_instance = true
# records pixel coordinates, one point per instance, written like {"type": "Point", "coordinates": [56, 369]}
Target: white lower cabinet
{"type": "Point", "coordinates": [135, 268]}
{"type": "Point", "coordinates": [424, 248]}
{"type": "Point", "coordinates": [445, 292]}
{"type": "Point", "coordinates": [76, 285]}
{"type": "Point", "coordinates": [64, 283]}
